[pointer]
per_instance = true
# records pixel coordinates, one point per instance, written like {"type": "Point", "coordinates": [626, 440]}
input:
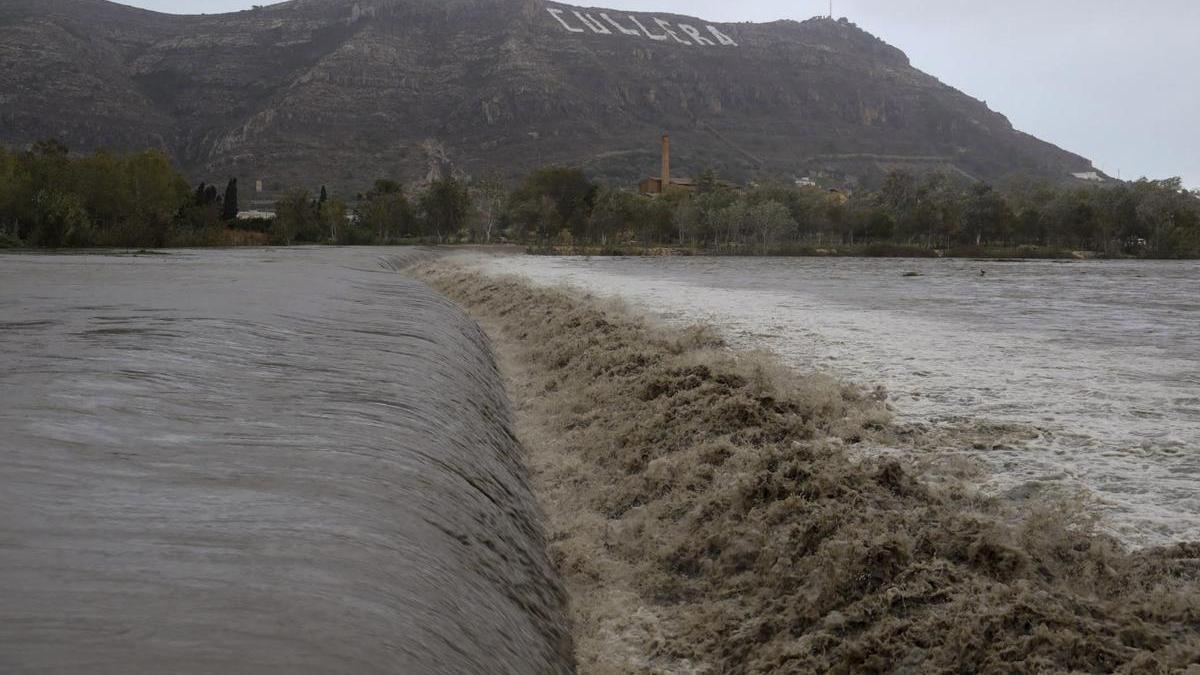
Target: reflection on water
{"type": "Point", "coordinates": [259, 461]}
{"type": "Point", "coordinates": [1102, 358]}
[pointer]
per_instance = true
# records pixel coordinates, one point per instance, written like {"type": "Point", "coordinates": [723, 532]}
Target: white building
{"type": "Point", "coordinates": [255, 215]}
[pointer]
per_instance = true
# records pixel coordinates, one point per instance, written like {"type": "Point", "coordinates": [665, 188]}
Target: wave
{"type": "Point", "coordinates": [711, 510]}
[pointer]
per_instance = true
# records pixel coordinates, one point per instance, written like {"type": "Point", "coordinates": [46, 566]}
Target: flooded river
{"type": "Point", "coordinates": [1100, 361]}
{"type": "Point", "coordinates": [259, 461]}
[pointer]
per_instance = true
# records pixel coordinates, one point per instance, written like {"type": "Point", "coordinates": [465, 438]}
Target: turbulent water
{"type": "Point", "coordinates": [259, 461]}
{"type": "Point", "coordinates": [1100, 361]}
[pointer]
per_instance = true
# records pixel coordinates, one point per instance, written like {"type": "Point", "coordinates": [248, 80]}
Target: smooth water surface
{"type": "Point", "coordinates": [290, 461]}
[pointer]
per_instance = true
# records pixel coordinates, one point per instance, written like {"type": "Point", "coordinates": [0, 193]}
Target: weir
{"type": "Point", "coordinates": [285, 461]}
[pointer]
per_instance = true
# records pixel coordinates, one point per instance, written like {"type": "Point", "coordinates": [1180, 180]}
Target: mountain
{"type": "Point", "coordinates": [344, 91]}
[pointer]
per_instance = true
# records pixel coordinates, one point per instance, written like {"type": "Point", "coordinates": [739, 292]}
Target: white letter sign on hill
{"type": "Point", "coordinates": [623, 29]}
{"type": "Point", "coordinates": [557, 14]}
{"type": "Point", "coordinates": [695, 35]}
{"type": "Point", "coordinates": [590, 21]}
{"type": "Point", "coordinates": [586, 22]}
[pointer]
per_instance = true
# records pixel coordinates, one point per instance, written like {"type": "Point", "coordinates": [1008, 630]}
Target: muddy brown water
{"type": "Point", "coordinates": [259, 461]}
{"type": "Point", "coordinates": [1098, 361]}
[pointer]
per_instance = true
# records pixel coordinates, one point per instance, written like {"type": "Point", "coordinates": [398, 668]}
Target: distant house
{"type": "Point", "coordinates": [665, 182]}
{"type": "Point", "coordinates": [256, 215]}
{"type": "Point", "coordinates": [1090, 176]}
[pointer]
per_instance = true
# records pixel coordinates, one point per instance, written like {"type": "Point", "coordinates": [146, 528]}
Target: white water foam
{"type": "Point", "coordinates": [1101, 358]}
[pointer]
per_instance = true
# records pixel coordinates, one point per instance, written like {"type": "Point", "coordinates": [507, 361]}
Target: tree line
{"type": "Point", "coordinates": [50, 198]}
{"type": "Point", "coordinates": [557, 209]}
{"type": "Point", "coordinates": [907, 214]}
{"type": "Point", "coordinates": [441, 212]}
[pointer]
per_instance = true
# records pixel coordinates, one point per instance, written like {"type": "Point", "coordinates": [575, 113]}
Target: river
{"type": "Point", "coordinates": [283, 461]}
{"type": "Point", "coordinates": [1099, 360]}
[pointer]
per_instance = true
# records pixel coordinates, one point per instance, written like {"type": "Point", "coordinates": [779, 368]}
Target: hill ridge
{"type": "Point", "coordinates": [344, 91]}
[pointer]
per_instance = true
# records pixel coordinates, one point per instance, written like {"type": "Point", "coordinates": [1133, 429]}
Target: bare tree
{"type": "Point", "coordinates": [489, 195]}
{"type": "Point", "coordinates": [688, 218]}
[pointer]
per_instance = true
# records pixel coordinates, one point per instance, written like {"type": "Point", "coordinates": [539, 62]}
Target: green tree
{"type": "Point", "coordinates": [61, 221]}
{"type": "Point", "coordinates": [689, 221]}
{"type": "Point", "coordinates": [729, 224]}
{"type": "Point", "coordinates": [938, 210]}
{"type": "Point", "coordinates": [655, 219]}
{"type": "Point", "coordinates": [987, 216]}
{"type": "Point", "coordinates": [1030, 226]}
{"type": "Point", "coordinates": [51, 198]}
{"type": "Point", "coordinates": [446, 206]}
{"type": "Point", "coordinates": [1069, 219]}
{"type": "Point", "coordinates": [1183, 239]}
{"type": "Point", "coordinates": [50, 147]}
{"type": "Point", "coordinates": [49, 168]}
{"type": "Point", "coordinates": [899, 193]}
{"type": "Point", "coordinates": [708, 231]}
{"type": "Point", "coordinates": [155, 193]}
{"type": "Point", "coordinates": [333, 220]}
{"type": "Point", "coordinates": [200, 217]}
{"type": "Point", "coordinates": [708, 182]}
{"type": "Point", "coordinates": [230, 210]}
{"type": "Point", "coordinates": [568, 190]}
{"type": "Point", "coordinates": [295, 219]}
{"type": "Point", "coordinates": [1160, 205]}
{"type": "Point", "coordinates": [385, 213]}
{"type": "Point", "coordinates": [101, 180]}
{"type": "Point", "coordinates": [880, 225]}
{"type": "Point", "coordinates": [13, 186]}
{"type": "Point", "coordinates": [768, 221]}
{"type": "Point", "coordinates": [611, 216]}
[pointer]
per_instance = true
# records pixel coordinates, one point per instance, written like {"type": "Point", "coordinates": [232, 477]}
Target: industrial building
{"type": "Point", "coordinates": [665, 183]}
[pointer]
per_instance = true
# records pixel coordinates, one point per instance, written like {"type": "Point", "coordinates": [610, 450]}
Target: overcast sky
{"type": "Point", "coordinates": [1118, 82]}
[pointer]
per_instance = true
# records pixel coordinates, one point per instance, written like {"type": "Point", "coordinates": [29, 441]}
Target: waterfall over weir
{"type": "Point", "coordinates": [259, 461]}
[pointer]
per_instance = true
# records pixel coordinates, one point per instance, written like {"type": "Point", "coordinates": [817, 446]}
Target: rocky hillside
{"type": "Point", "coordinates": [344, 91]}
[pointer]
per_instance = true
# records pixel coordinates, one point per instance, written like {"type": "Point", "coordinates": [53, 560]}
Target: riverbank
{"type": "Point", "coordinates": [832, 251]}
{"type": "Point", "coordinates": [253, 239]}
{"type": "Point", "coordinates": [708, 510]}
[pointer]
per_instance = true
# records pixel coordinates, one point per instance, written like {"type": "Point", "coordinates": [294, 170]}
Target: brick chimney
{"type": "Point", "coordinates": [666, 162]}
